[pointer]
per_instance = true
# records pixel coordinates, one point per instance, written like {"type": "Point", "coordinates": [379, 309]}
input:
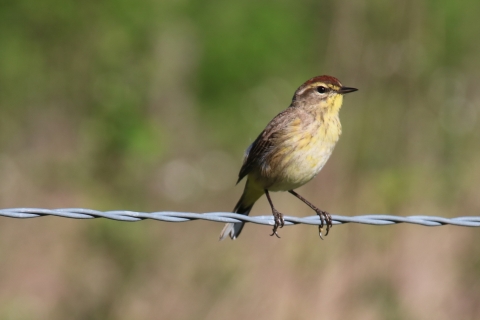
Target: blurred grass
{"type": "Point", "coordinates": [148, 105]}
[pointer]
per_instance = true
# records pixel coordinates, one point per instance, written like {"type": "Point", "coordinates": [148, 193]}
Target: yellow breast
{"type": "Point", "coordinates": [306, 151]}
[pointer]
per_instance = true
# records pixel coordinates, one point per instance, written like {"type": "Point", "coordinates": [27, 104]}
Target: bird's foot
{"type": "Point", "coordinates": [325, 219]}
{"type": "Point", "coordinates": [279, 222]}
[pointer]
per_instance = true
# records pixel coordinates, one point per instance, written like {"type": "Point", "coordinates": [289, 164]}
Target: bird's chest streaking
{"type": "Point", "coordinates": [302, 151]}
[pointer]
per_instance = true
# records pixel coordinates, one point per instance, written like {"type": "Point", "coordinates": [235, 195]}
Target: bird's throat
{"type": "Point", "coordinates": [335, 104]}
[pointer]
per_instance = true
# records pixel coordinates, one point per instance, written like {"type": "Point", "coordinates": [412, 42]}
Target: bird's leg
{"type": "Point", "coordinates": [278, 217]}
{"type": "Point", "coordinates": [324, 216]}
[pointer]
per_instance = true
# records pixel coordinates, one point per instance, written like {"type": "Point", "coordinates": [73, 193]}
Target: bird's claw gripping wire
{"type": "Point", "coordinates": [325, 219]}
{"type": "Point", "coordinates": [279, 222]}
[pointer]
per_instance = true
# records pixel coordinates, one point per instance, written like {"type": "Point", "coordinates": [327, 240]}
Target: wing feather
{"type": "Point", "coordinates": [259, 150]}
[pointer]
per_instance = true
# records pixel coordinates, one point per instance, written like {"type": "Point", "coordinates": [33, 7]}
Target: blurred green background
{"type": "Point", "coordinates": [148, 105]}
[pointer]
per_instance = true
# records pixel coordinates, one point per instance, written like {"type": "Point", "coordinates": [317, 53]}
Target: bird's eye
{"type": "Point", "coordinates": [321, 89]}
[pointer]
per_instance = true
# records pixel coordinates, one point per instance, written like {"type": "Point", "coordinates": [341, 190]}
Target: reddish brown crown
{"type": "Point", "coordinates": [325, 79]}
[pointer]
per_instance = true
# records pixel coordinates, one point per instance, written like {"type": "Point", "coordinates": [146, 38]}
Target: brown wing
{"type": "Point", "coordinates": [264, 144]}
{"type": "Point", "coordinates": [255, 152]}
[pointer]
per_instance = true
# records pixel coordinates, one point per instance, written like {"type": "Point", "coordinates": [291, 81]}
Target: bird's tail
{"type": "Point", "coordinates": [250, 195]}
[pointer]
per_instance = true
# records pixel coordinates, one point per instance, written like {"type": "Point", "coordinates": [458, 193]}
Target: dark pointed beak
{"type": "Point", "coordinates": [345, 90]}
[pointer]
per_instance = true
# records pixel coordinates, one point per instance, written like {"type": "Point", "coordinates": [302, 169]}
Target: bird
{"type": "Point", "coordinates": [291, 150]}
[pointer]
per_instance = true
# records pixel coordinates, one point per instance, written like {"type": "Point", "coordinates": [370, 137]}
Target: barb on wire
{"type": "Point", "coordinates": [169, 216]}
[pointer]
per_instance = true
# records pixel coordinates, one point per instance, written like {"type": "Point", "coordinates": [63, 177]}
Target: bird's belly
{"type": "Point", "coordinates": [302, 163]}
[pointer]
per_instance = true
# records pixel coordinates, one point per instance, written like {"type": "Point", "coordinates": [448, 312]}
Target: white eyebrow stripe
{"type": "Point", "coordinates": [317, 84]}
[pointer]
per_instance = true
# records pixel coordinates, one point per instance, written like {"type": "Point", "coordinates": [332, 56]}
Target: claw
{"type": "Point", "coordinates": [279, 222]}
{"type": "Point", "coordinates": [325, 217]}
{"type": "Point", "coordinates": [276, 234]}
{"type": "Point", "coordinates": [329, 225]}
{"type": "Point", "coordinates": [322, 220]}
{"type": "Point", "coordinates": [277, 216]}
{"type": "Point", "coordinates": [320, 232]}
{"type": "Point", "coordinates": [328, 217]}
{"type": "Point", "coordinates": [275, 228]}
{"type": "Point", "coordinates": [325, 220]}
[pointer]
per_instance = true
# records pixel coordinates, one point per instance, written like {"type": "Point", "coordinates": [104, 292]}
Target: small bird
{"type": "Point", "coordinates": [292, 150]}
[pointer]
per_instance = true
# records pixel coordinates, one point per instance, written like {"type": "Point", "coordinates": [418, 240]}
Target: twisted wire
{"type": "Point", "coordinates": [170, 216]}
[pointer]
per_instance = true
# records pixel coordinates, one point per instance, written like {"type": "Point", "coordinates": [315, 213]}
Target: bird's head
{"type": "Point", "coordinates": [323, 92]}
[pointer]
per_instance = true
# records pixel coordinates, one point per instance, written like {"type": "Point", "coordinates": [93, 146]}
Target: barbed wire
{"type": "Point", "coordinates": [171, 216]}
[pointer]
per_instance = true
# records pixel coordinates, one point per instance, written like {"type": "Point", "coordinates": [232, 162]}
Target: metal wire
{"type": "Point", "coordinates": [170, 216]}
